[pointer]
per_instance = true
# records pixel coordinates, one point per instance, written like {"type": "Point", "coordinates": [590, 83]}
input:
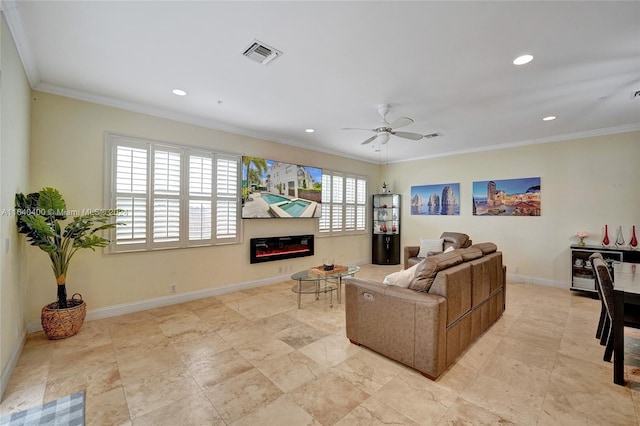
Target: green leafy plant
{"type": "Point", "coordinates": [39, 216]}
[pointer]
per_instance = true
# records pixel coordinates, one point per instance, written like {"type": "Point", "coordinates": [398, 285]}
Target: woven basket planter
{"type": "Point", "coordinates": [63, 323]}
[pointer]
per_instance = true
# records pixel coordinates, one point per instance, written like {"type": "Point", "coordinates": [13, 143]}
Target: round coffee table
{"type": "Point", "coordinates": [313, 283]}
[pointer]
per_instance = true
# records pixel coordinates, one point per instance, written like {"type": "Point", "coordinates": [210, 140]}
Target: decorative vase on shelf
{"type": "Point", "coordinates": [619, 238]}
{"type": "Point", "coordinates": [605, 240]}
{"type": "Point", "coordinates": [634, 241]}
{"type": "Point", "coordinates": [581, 243]}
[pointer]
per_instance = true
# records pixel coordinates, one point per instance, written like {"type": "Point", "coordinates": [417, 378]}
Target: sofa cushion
{"type": "Point", "coordinates": [428, 269]}
{"type": "Point", "coordinates": [486, 248]}
{"type": "Point", "coordinates": [455, 239]}
{"type": "Point", "coordinates": [401, 278]}
{"type": "Point", "coordinates": [428, 247]}
{"type": "Point", "coordinates": [470, 253]}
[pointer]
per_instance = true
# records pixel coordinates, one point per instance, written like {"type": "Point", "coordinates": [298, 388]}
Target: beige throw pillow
{"type": "Point", "coordinates": [401, 278]}
{"type": "Point", "coordinates": [430, 246]}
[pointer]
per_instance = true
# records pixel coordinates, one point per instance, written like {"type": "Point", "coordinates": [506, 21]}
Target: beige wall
{"type": "Point", "coordinates": [586, 183]}
{"type": "Point", "coordinates": [67, 153]}
{"type": "Point", "coordinates": [14, 156]}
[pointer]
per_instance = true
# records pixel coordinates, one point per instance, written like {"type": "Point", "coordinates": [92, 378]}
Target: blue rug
{"type": "Point", "coordinates": [65, 411]}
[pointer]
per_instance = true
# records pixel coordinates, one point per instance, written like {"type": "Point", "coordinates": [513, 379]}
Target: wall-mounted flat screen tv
{"type": "Point", "coordinates": [274, 189]}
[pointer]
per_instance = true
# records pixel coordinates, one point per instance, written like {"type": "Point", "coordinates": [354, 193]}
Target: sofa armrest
{"type": "Point", "coordinates": [405, 325]}
{"type": "Point", "coordinates": [410, 251]}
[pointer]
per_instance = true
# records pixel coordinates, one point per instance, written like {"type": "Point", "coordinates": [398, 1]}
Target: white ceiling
{"type": "Point", "coordinates": [447, 65]}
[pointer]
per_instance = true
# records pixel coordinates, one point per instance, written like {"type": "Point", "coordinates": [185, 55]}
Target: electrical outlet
{"type": "Point", "coordinates": [516, 269]}
{"type": "Point", "coordinates": [280, 269]}
{"type": "Point", "coordinates": [173, 288]}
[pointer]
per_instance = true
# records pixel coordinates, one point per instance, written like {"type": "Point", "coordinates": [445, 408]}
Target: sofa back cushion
{"type": "Point", "coordinates": [486, 248]}
{"type": "Point", "coordinates": [470, 253]}
{"type": "Point", "coordinates": [455, 240]}
{"type": "Point", "coordinates": [428, 269]}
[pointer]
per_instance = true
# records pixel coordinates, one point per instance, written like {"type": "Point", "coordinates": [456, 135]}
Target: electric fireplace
{"type": "Point", "coordinates": [277, 248]}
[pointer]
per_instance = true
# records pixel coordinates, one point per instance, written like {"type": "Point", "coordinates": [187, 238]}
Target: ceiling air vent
{"type": "Point", "coordinates": [635, 95]}
{"type": "Point", "coordinates": [261, 53]}
{"type": "Point", "coordinates": [432, 135]}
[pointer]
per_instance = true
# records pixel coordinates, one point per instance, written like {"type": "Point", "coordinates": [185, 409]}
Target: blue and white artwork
{"type": "Point", "coordinates": [442, 199]}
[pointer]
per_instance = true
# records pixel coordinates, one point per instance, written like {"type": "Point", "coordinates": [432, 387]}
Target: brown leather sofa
{"type": "Point", "coordinates": [451, 300]}
{"type": "Point", "coordinates": [451, 239]}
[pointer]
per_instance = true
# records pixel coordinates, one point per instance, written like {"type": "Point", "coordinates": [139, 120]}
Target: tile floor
{"type": "Point", "coordinates": [252, 358]}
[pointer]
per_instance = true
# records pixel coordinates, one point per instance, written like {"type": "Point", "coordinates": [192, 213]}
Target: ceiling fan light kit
{"type": "Point", "coordinates": [386, 130]}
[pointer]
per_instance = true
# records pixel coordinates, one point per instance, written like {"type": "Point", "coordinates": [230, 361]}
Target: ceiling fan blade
{"type": "Point", "coordinates": [409, 135]}
{"type": "Point", "coordinates": [369, 140]}
{"type": "Point", "coordinates": [357, 128]}
{"type": "Point", "coordinates": [400, 122]}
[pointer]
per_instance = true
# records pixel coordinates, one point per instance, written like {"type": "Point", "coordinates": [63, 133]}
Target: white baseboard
{"type": "Point", "coordinates": [157, 302]}
{"type": "Point", "coordinates": [516, 278]}
{"type": "Point", "coordinates": [11, 365]}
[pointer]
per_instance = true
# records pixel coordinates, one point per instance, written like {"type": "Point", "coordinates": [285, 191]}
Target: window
{"type": "Point", "coordinates": [172, 196]}
{"type": "Point", "coordinates": [344, 199]}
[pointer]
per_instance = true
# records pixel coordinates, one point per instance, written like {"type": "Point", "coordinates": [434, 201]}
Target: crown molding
{"type": "Point", "coordinates": [12, 17]}
{"type": "Point", "coordinates": [558, 138]}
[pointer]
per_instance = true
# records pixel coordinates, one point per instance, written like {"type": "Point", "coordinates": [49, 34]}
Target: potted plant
{"type": "Point", "coordinates": [39, 217]}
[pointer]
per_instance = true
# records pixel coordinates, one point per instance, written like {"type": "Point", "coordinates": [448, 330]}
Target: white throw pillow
{"type": "Point", "coordinates": [401, 278]}
{"type": "Point", "coordinates": [427, 246]}
{"type": "Point", "coordinates": [449, 249]}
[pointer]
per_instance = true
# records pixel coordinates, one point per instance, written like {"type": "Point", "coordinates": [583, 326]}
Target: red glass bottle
{"type": "Point", "coordinates": [634, 241]}
{"type": "Point", "coordinates": [605, 240]}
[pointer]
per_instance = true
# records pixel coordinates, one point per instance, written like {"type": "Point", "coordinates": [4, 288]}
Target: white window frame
{"type": "Point", "coordinates": [229, 197]}
{"type": "Point", "coordinates": [337, 202]}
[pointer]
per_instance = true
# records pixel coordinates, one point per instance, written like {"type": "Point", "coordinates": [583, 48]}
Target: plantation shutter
{"type": "Point", "coordinates": [131, 195]}
{"type": "Point", "coordinates": [361, 204]}
{"type": "Point", "coordinates": [166, 196]}
{"type": "Point", "coordinates": [172, 196]}
{"type": "Point", "coordinates": [336, 203]}
{"type": "Point", "coordinates": [344, 204]}
{"type": "Point", "coordinates": [200, 198]}
{"type": "Point", "coordinates": [324, 224]}
{"type": "Point", "coordinates": [227, 198]}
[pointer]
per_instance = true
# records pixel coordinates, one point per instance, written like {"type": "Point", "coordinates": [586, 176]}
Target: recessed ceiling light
{"type": "Point", "coordinates": [521, 60]}
{"type": "Point", "coordinates": [309, 130]}
{"type": "Point", "coordinates": [179, 92]}
{"type": "Point", "coordinates": [549, 118]}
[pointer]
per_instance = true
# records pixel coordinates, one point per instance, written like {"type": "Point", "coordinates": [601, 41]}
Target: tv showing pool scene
{"type": "Point", "coordinates": [274, 189]}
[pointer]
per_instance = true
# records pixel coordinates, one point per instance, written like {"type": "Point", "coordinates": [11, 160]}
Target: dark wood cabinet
{"type": "Point", "coordinates": [386, 229]}
{"type": "Point", "coordinates": [582, 276]}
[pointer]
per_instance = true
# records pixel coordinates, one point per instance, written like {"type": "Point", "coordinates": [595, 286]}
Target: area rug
{"type": "Point", "coordinates": [65, 411]}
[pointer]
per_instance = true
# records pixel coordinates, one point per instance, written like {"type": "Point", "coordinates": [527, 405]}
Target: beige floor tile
{"type": "Point", "coordinates": [503, 399]}
{"type": "Point", "coordinates": [329, 398]}
{"type": "Point", "coordinates": [146, 394]}
{"type": "Point", "coordinates": [373, 413]}
{"type": "Point", "coordinates": [108, 408]}
{"type": "Point", "coordinates": [416, 397]}
{"type": "Point", "coordinates": [94, 382]}
{"type": "Point", "coordinates": [213, 369]}
{"type": "Point", "coordinates": [571, 401]}
{"type": "Point", "coordinates": [330, 350]}
{"type": "Point", "coordinates": [252, 357]}
{"type": "Point", "coordinates": [520, 375]}
{"type": "Point", "coordinates": [282, 412]}
{"type": "Point", "coordinates": [194, 410]}
{"type": "Point", "coordinates": [238, 396]}
{"type": "Point", "coordinates": [291, 371]}
{"type": "Point", "coordinates": [464, 413]}
{"type": "Point", "coordinates": [367, 370]}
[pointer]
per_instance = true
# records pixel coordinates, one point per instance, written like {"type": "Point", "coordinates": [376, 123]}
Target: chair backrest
{"type": "Point", "coordinates": [604, 282]}
{"type": "Point", "coordinates": [455, 240]}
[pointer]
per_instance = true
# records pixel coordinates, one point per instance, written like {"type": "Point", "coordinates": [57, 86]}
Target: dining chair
{"type": "Point", "coordinates": [605, 286]}
{"type": "Point", "coordinates": [603, 322]}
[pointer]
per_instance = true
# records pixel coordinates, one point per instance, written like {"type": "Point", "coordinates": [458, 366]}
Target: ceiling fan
{"type": "Point", "coordinates": [386, 129]}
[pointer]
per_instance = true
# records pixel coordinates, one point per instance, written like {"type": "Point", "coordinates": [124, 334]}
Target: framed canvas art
{"type": "Point", "coordinates": [442, 199]}
{"type": "Point", "coordinates": [507, 197]}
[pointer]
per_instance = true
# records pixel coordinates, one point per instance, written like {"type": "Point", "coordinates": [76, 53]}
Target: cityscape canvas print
{"type": "Point", "coordinates": [274, 189]}
{"type": "Point", "coordinates": [443, 199]}
{"type": "Point", "coordinates": [507, 197]}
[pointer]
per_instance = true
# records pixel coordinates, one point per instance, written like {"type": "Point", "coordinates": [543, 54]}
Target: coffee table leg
{"type": "Point", "coordinates": [299, 292]}
{"type": "Point", "coordinates": [340, 289]}
{"type": "Point", "coordinates": [331, 299]}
